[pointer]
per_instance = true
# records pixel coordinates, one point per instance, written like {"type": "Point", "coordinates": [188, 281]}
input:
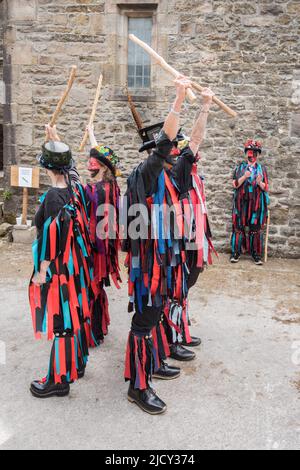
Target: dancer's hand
{"type": "Point", "coordinates": [207, 95]}
{"type": "Point", "coordinates": [259, 179]}
{"type": "Point", "coordinates": [39, 278]}
{"type": "Point", "coordinates": [51, 133]}
{"type": "Point", "coordinates": [182, 84]}
{"type": "Point", "coordinates": [247, 174]}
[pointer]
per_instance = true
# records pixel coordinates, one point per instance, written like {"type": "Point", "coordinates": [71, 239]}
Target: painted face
{"type": "Point", "coordinates": [94, 166]}
{"type": "Point", "coordinates": [175, 152]}
{"type": "Point", "coordinates": [252, 156]}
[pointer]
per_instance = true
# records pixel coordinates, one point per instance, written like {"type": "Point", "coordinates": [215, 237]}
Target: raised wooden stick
{"type": "Point", "coordinates": [64, 96]}
{"type": "Point", "coordinates": [159, 60]}
{"type": "Point", "coordinates": [93, 114]}
{"type": "Point", "coordinates": [267, 236]}
{"type": "Point", "coordinates": [216, 100]}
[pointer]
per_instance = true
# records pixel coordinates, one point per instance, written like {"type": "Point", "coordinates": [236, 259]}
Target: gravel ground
{"type": "Point", "coordinates": [242, 391]}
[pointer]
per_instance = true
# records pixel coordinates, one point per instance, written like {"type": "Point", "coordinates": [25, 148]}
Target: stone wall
{"type": "Point", "coordinates": [1, 86]}
{"type": "Point", "coordinates": [247, 52]}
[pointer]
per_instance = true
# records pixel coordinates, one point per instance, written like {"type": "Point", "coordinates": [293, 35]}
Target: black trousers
{"type": "Point", "coordinates": [145, 322]}
{"type": "Point", "coordinates": [195, 272]}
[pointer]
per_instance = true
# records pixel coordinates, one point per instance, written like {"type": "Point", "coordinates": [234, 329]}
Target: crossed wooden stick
{"type": "Point", "coordinates": [161, 61]}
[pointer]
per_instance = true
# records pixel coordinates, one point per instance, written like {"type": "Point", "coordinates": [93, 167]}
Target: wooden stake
{"type": "Point", "coordinates": [217, 101]}
{"type": "Point", "coordinates": [64, 96]}
{"type": "Point", "coordinates": [25, 206]}
{"type": "Point", "coordinates": [267, 236]}
{"type": "Point", "coordinates": [191, 96]}
{"type": "Point", "coordinates": [93, 114]}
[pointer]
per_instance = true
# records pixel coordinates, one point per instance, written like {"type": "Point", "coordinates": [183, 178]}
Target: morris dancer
{"type": "Point", "coordinates": [250, 205]}
{"type": "Point", "coordinates": [155, 258]}
{"type": "Point", "coordinates": [61, 287]}
{"type": "Point", "coordinates": [174, 322]}
{"type": "Point", "coordinates": [104, 201]}
{"type": "Point", "coordinates": [197, 233]}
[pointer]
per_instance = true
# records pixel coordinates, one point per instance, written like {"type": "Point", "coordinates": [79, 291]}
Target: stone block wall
{"type": "Point", "coordinates": [247, 52]}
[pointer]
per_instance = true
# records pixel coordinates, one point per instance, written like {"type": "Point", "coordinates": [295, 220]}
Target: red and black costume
{"type": "Point", "coordinates": [197, 240]}
{"type": "Point", "coordinates": [104, 205]}
{"type": "Point", "coordinates": [156, 260]}
{"type": "Point", "coordinates": [61, 307]}
{"type": "Point", "coordinates": [250, 204]}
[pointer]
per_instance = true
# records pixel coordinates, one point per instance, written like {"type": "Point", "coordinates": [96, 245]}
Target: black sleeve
{"type": "Point", "coordinates": [52, 205]}
{"type": "Point", "coordinates": [74, 175]}
{"type": "Point", "coordinates": [183, 169]}
{"type": "Point", "coordinates": [152, 167]}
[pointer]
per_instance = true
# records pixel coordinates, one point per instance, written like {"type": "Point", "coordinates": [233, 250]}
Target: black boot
{"type": "Point", "coordinates": [179, 353]}
{"type": "Point", "coordinates": [81, 372]}
{"type": "Point", "coordinates": [147, 400]}
{"type": "Point", "coordinates": [166, 372]}
{"type": "Point", "coordinates": [47, 390]}
{"type": "Point", "coordinates": [257, 259]}
{"type": "Point", "coordinates": [235, 258]}
{"type": "Point", "coordinates": [195, 342]}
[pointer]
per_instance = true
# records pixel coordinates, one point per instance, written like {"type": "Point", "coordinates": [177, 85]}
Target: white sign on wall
{"type": "Point", "coordinates": [25, 177]}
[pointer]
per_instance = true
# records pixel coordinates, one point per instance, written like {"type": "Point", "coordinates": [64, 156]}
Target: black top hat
{"type": "Point", "coordinates": [56, 156]}
{"type": "Point", "coordinates": [149, 136]}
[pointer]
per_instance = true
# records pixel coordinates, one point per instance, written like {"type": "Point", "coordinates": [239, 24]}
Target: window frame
{"type": "Point", "coordinates": [144, 16]}
{"type": "Point", "coordinates": [123, 13]}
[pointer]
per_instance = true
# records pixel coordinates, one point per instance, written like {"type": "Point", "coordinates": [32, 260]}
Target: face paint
{"type": "Point", "coordinates": [252, 156]}
{"type": "Point", "coordinates": [94, 164]}
{"type": "Point", "coordinates": [175, 152]}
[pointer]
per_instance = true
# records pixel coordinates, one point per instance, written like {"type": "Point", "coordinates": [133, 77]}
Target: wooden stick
{"type": "Point", "coordinates": [216, 100]}
{"type": "Point", "coordinates": [25, 206]}
{"type": "Point", "coordinates": [159, 60]}
{"type": "Point", "coordinates": [64, 96]}
{"type": "Point", "coordinates": [175, 74]}
{"type": "Point", "coordinates": [93, 114]}
{"type": "Point", "coordinates": [267, 236]}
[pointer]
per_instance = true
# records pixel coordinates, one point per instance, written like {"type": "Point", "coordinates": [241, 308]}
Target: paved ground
{"type": "Point", "coordinates": [242, 392]}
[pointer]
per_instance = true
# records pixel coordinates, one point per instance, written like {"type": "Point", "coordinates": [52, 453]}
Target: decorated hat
{"type": "Point", "coordinates": [56, 156]}
{"type": "Point", "coordinates": [150, 134]}
{"type": "Point", "coordinates": [254, 145]}
{"type": "Point", "coordinates": [106, 156]}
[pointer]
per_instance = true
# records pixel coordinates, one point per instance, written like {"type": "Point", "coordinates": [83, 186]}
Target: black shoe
{"type": "Point", "coordinates": [179, 353]}
{"type": "Point", "coordinates": [147, 400]}
{"type": "Point", "coordinates": [235, 258]}
{"type": "Point", "coordinates": [81, 372]}
{"type": "Point", "coordinates": [166, 372]}
{"type": "Point", "coordinates": [47, 390]}
{"type": "Point", "coordinates": [195, 342]}
{"type": "Point", "coordinates": [257, 259]}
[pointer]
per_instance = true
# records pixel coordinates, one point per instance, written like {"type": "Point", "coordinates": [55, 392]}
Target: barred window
{"type": "Point", "coordinates": [139, 62]}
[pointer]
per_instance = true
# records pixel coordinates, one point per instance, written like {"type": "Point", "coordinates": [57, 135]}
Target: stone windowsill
{"type": "Point", "coordinates": [138, 95]}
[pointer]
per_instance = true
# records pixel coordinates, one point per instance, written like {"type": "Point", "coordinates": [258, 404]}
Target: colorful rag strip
{"type": "Point", "coordinates": [156, 263]}
{"type": "Point", "coordinates": [140, 361]}
{"type": "Point", "coordinates": [250, 202]}
{"type": "Point", "coordinates": [63, 303]}
{"type": "Point", "coordinates": [104, 202]}
{"type": "Point", "coordinates": [177, 323]}
{"type": "Point", "coordinates": [160, 344]}
{"type": "Point", "coordinates": [68, 355]}
{"type": "Point", "coordinates": [250, 209]}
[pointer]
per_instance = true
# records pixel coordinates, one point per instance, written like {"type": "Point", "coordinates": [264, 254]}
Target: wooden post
{"type": "Point", "coordinates": [267, 237]}
{"type": "Point", "coordinates": [25, 206]}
